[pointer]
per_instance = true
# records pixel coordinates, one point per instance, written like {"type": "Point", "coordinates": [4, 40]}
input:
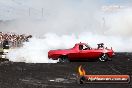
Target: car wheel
{"type": "Point", "coordinates": [64, 59]}
{"type": "Point", "coordinates": [103, 57]}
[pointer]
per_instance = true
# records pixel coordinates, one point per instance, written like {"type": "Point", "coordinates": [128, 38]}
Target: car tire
{"type": "Point", "coordinates": [64, 59]}
{"type": "Point", "coordinates": [104, 57]}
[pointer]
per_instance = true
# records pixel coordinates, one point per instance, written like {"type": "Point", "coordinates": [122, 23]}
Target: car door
{"type": "Point", "coordinates": [85, 53]}
{"type": "Point", "coordinates": [78, 54]}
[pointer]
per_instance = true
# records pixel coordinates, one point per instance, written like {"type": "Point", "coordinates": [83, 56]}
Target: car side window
{"type": "Point", "coordinates": [84, 47]}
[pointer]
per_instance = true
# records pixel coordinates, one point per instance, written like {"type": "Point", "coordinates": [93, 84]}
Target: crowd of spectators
{"type": "Point", "coordinates": [13, 39]}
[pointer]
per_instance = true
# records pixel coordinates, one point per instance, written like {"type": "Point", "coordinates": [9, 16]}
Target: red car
{"type": "Point", "coordinates": [82, 51]}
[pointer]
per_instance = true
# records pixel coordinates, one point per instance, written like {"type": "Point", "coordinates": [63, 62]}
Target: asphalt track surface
{"type": "Point", "coordinates": [30, 75]}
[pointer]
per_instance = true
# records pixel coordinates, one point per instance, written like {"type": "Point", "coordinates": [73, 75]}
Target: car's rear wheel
{"type": "Point", "coordinates": [64, 59]}
{"type": "Point", "coordinates": [104, 57]}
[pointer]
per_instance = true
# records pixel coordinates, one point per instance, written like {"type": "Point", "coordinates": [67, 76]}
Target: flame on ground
{"type": "Point", "coordinates": [81, 71]}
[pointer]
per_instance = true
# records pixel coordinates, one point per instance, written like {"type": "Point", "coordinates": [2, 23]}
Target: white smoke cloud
{"type": "Point", "coordinates": [36, 50]}
{"type": "Point", "coordinates": [65, 24]}
{"type": "Point", "coordinates": [119, 23]}
{"type": "Point", "coordinates": [61, 16]}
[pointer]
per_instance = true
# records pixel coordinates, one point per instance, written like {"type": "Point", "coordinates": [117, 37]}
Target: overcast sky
{"type": "Point", "coordinates": [55, 16]}
{"type": "Point", "coordinates": [11, 9]}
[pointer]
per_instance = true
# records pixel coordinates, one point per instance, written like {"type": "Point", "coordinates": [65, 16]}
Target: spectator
{"type": "Point", "coordinates": [12, 39]}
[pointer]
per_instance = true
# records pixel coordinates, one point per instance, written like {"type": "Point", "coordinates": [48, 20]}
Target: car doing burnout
{"type": "Point", "coordinates": [82, 51]}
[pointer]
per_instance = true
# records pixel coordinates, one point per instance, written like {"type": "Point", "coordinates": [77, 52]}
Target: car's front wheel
{"type": "Point", "coordinates": [104, 57]}
{"type": "Point", "coordinates": [64, 59]}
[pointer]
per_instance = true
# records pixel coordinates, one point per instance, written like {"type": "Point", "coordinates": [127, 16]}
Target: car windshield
{"type": "Point", "coordinates": [87, 46]}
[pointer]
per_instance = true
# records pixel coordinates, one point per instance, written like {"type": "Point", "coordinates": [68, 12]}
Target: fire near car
{"type": "Point", "coordinates": [82, 51]}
